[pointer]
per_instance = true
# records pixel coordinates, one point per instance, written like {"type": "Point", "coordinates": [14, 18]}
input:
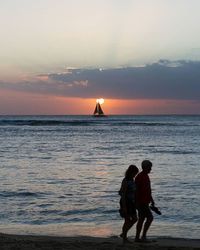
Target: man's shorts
{"type": "Point", "coordinates": [144, 211]}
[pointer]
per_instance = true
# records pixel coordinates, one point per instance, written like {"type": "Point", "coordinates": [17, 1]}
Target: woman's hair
{"type": "Point", "coordinates": [131, 172]}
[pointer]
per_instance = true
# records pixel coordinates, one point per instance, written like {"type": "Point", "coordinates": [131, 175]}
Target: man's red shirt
{"type": "Point", "coordinates": [143, 188]}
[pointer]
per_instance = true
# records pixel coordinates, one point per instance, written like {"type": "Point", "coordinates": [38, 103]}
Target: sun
{"type": "Point", "coordinates": [100, 100]}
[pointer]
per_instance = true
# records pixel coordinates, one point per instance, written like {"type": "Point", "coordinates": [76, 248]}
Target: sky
{"type": "Point", "coordinates": [57, 57]}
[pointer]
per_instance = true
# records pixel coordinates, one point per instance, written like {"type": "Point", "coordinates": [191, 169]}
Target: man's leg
{"type": "Point", "coordinates": [139, 225]}
{"type": "Point", "coordinates": [147, 223]}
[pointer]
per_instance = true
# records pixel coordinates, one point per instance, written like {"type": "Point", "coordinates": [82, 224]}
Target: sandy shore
{"type": "Point", "coordinates": [21, 242]}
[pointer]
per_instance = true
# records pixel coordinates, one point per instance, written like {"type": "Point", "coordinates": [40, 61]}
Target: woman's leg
{"type": "Point", "coordinates": [128, 223]}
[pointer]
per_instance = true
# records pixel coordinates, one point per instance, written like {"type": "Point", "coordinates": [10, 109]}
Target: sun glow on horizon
{"type": "Point", "coordinates": [100, 100]}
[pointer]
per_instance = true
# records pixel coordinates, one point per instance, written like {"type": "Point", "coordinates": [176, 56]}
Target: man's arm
{"type": "Point", "coordinates": [152, 201]}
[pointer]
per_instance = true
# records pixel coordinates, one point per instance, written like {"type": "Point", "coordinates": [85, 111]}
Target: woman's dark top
{"type": "Point", "coordinates": [129, 198]}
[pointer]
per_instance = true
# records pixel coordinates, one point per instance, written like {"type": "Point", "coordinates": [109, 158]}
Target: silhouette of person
{"type": "Point", "coordinates": [143, 200]}
{"type": "Point", "coordinates": [127, 201]}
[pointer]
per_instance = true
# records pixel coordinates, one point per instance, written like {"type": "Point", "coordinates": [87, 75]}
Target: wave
{"type": "Point", "coordinates": [146, 124]}
{"type": "Point", "coordinates": [8, 194]}
{"type": "Point", "coordinates": [42, 123]}
{"type": "Point", "coordinates": [86, 123]}
{"type": "Point", "coordinates": [89, 120]}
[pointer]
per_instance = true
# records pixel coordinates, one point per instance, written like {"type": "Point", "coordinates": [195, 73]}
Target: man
{"type": "Point", "coordinates": [143, 199]}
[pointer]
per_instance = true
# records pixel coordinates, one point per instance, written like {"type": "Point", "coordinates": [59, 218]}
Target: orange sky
{"type": "Point", "coordinates": [87, 48]}
{"type": "Point", "coordinates": [20, 103]}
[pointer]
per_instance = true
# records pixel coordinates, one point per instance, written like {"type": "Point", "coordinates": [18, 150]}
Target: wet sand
{"type": "Point", "coordinates": [24, 242]}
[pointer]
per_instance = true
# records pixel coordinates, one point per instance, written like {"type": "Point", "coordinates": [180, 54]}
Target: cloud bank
{"type": "Point", "coordinates": [165, 79]}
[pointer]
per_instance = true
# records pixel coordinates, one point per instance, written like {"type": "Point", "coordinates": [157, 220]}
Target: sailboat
{"type": "Point", "coordinates": [98, 112]}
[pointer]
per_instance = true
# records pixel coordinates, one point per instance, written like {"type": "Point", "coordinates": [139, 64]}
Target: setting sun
{"type": "Point", "coordinates": [100, 101]}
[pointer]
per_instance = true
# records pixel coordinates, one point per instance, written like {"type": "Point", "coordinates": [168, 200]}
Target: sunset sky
{"type": "Point", "coordinates": [57, 57]}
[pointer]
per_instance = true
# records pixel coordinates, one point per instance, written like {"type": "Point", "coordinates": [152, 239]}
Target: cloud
{"type": "Point", "coordinates": [162, 80]}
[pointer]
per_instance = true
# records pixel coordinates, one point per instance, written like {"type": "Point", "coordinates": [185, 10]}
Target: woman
{"type": "Point", "coordinates": [127, 201]}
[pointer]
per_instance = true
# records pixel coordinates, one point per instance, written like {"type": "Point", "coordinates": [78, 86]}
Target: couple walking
{"type": "Point", "coordinates": [135, 194]}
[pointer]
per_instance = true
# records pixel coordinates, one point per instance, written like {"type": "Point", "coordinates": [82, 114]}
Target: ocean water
{"type": "Point", "coordinates": [60, 175]}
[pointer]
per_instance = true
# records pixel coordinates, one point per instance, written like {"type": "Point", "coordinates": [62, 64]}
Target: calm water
{"type": "Point", "coordinates": [60, 174]}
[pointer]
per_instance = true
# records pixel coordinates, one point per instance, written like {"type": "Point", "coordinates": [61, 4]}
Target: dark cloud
{"type": "Point", "coordinates": [161, 80]}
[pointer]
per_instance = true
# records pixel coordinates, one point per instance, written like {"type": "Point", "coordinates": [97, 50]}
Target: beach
{"type": "Point", "coordinates": [22, 242]}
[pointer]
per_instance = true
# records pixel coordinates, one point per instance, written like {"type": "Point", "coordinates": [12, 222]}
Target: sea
{"type": "Point", "coordinates": [60, 175]}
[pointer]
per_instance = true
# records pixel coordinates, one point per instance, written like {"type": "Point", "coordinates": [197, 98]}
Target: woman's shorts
{"type": "Point", "coordinates": [131, 209]}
